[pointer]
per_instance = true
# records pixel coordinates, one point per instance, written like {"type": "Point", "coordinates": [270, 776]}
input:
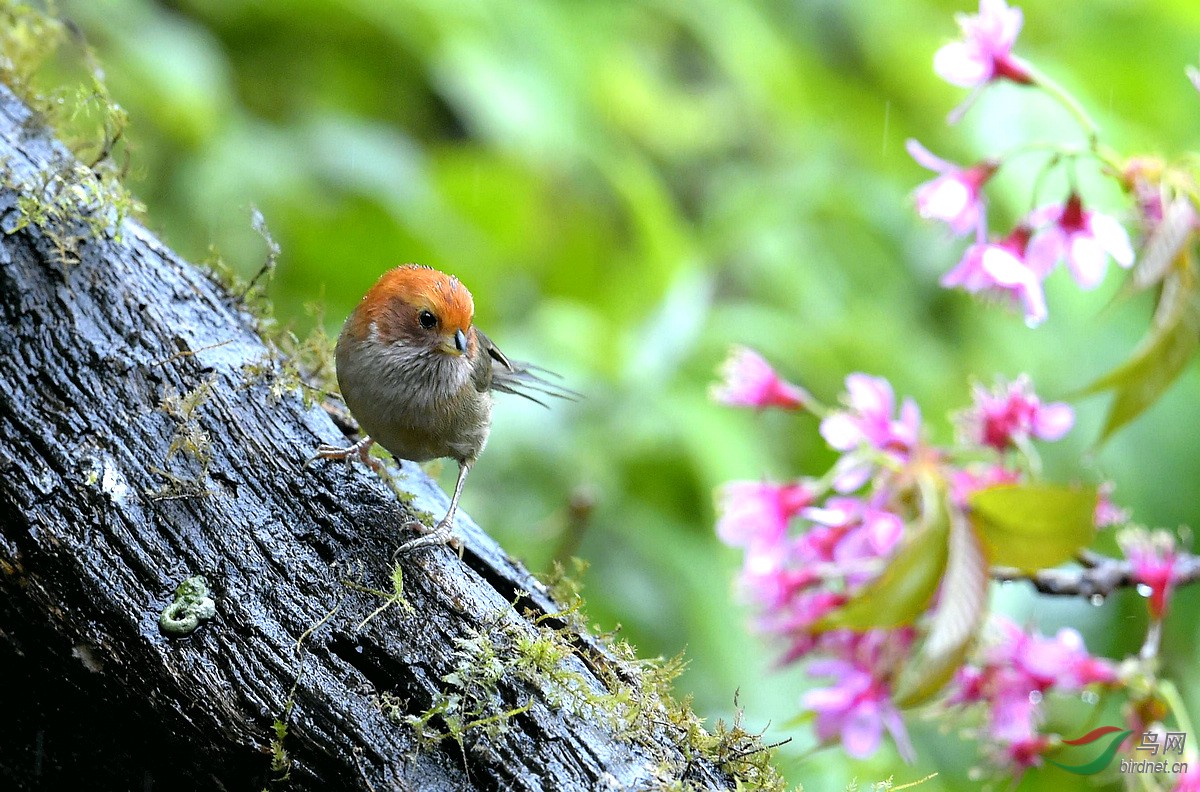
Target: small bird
{"type": "Point", "coordinates": [418, 377]}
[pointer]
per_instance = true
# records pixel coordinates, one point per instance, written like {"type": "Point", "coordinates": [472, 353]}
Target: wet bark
{"type": "Point", "coordinates": [115, 487]}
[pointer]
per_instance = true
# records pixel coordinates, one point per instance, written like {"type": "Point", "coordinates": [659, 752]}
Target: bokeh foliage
{"type": "Point", "coordinates": [629, 187]}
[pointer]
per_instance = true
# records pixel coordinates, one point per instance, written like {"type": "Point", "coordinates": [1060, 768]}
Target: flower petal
{"type": "Point", "coordinates": [841, 431]}
{"type": "Point", "coordinates": [861, 733]}
{"type": "Point", "coordinates": [1113, 237]}
{"type": "Point", "coordinates": [895, 725]}
{"type": "Point", "coordinates": [1045, 251]}
{"type": "Point", "coordinates": [968, 274]}
{"type": "Point", "coordinates": [884, 530]}
{"type": "Point", "coordinates": [959, 63]}
{"type": "Point", "coordinates": [947, 198]}
{"type": "Point", "coordinates": [1087, 260]}
{"type": "Point", "coordinates": [1000, 24]}
{"type": "Point", "coordinates": [926, 158]}
{"type": "Point", "coordinates": [1052, 421]}
{"type": "Point", "coordinates": [1004, 267]}
{"type": "Point", "coordinates": [871, 396]}
{"type": "Point", "coordinates": [850, 473]}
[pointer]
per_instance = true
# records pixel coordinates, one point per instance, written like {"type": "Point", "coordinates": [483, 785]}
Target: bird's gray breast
{"type": "Point", "coordinates": [418, 405]}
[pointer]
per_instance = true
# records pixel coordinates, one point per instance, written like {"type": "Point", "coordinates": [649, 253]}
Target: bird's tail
{"type": "Point", "coordinates": [531, 382]}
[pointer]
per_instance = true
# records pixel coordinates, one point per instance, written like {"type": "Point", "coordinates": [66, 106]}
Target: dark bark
{"type": "Point", "coordinates": [100, 522]}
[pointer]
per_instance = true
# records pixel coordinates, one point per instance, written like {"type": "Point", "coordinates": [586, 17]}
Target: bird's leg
{"type": "Point", "coordinates": [443, 532]}
{"type": "Point", "coordinates": [361, 449]}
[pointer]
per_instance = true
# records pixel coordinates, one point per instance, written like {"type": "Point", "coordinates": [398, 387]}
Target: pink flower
{"type": "Point", "coordinates": [857, 708]}
{"type": "Point", "coordinates": [985, 52]}
{"type": "Point", "coordinates": [756, 513]}
{"type": "Point", "coordinates": [794, 617]}
{"type": "Point", "coordinates": [1019, 668]}
{"type": "Point", "coordinates": [1007, 415]}
{"type": "Point", "coordinates": [1012, 711]}
{"type": "Point", "coordinates": [1027, 751]}
{"type": "Point", "coordinates": [863, 532]}
{"type": "Point", "coordinates": [1142, 177]}
{"type": "Point", "coordinates": [781, 582]}
{"type": "Point", "coordinates": [1012, 716]}
{"type": "Point", "coordinates": [965, 482]}
{"type": "Point", "coordinates": [1152, 556]}
{"type": "Point", "coordinates": [1108, 513]}
{"type": "Point", "coordinates": [1002, 268]}
{"type": "Point", "coordinates": [869, 419]}
{"type": "Point", "coordinates": [954, 196]}
{"type": "Point", "coordinates": [787, 578]}
{"type": "Point", "coordinates": [1085, 239]}
{"type": "Point", "coordinates": [749, 381]}
{"type": "Point", "coordinates": [1061, 662]}
{"type": "Point", "coordinates": [868, 425]}
{"type": "Point", "coordinates": [773, 585]}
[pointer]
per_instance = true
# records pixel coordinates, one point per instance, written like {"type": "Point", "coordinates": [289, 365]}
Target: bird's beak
{"type": "Point", "coordinates": [455, 344]}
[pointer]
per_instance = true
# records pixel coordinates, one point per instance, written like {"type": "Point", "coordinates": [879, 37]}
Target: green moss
{"type": "Point", "coordinates": [396, 597]}
{"type": "Point", "coordinates": [28, 38]}
{"type": "Point", "coordinates": [888, 785]}
{"type": "Point", "coordinates": [291, 364]}
{"type": "Point", "coordinates": [70, 201]}
{"type": "Point", "coordinates": [566, 586]}
{"type": "Point", "coordinates": [639, 705]}
{"type": "Point", "coordinates": [294, 365]}
{"type": "Point", "coordinates": [189, 439]}
{"type": "Point", "coordinates": [280, 761]}
{"type": "Point", "coordinates": [634, 699]}
{"type": "Point", "coordinates": [72, 204]}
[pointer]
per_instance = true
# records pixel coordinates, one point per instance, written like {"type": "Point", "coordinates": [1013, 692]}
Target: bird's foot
{"type": "Point", "coordinates": [361, 449]}
{"type": "Point", "coordinates": [440, 534]}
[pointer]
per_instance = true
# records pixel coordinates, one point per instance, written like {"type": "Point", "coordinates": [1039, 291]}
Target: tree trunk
{"type": "Point", "coordinates": [141, 445]}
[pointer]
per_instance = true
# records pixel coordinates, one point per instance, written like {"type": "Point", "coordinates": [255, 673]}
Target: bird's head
{"type": "Point", "coordinates": [419, 310]}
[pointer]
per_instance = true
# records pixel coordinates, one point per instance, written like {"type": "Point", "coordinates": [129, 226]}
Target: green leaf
{"type": "Point", "coordinates": [956, 621]}
{"type": "Point", "coordinates": [1033, 526]}
{"type": "Point", "coordinates": [1162, 355]}
{"type": "Point", "coordinates": [902, 591]}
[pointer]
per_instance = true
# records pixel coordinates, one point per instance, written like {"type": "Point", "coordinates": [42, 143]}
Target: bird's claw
{"type": "Point", "coordinates": [361, 449]}
{"type": "Point", "coordinates": [440, 534]}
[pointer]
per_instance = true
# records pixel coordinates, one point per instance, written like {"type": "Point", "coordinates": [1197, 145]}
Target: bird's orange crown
{"type": "Point", "coordinates": [403, 292]}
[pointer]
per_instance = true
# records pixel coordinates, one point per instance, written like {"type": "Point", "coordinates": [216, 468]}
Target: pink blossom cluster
{"type": "Point", "coordinates": [1012, 414]}
{"type": "Point", "coordinates": [1155, 565]}
{"type": "Point", "coordinates": [811, 544]}
{"type": "Point", "coordinates": [868, 431]}
{"type": "Point", "coordinates": [1012, 267]}
{"type": "Point", "coordinates": [857, 707]}
{"type": "Point", "coordinates": [814, 549]}
{"type": "Point", "coordinates": [1015, 267]}
{"type": "Point", "coordinates": [747, 380]}
{"type": "Point", "coordinates": [984, 54]}
{"type": "Point", "coordinates": [1017, 671]}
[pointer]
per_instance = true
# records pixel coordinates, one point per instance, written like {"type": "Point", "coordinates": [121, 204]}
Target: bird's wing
{"type": "Point", "coordinates": [516, 376]}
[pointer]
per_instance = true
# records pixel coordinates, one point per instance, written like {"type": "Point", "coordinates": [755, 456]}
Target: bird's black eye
{"type": "Point", "coordinates": [427, 320]}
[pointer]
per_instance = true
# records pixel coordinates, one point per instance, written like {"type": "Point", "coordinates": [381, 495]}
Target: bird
{"type": "Point", "coordinates": [418, 377]}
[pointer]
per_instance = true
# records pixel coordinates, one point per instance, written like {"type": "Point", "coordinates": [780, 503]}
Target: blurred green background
{"type": "Point", "coordinates": [630, 187]}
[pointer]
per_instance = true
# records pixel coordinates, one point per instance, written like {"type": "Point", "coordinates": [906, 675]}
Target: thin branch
{"type": "Point", "coordinates": [1099, 576]}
